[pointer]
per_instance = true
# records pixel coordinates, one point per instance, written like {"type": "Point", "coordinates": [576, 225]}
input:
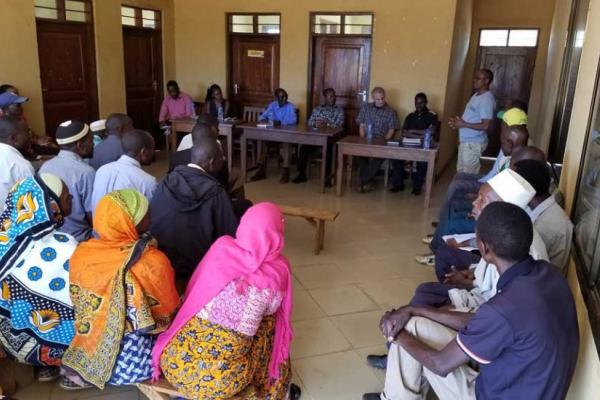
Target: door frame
{"type": "Point", "coordinates": [311, 41]}
{"type": "Point", "coordinates": [159, 48]}
{"type": "Point", "coordinates": [229, 44]}
{"type": "Point", "coordinates": [92, 69]}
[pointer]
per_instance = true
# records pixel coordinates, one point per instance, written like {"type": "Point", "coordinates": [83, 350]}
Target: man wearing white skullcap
{"type": "Point", "coordinates": [98, 129]}
{"type": "Point", "coordinates": [76, 143]}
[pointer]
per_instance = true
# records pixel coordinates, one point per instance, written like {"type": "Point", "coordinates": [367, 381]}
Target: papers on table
{"type": "Point", "coordinates": [411, 142]}
{"type": "Point", "coordinates": [462, 238]}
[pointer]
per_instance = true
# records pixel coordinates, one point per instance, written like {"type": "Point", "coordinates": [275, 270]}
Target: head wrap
{"type": "Point", "coordinates": [514, 116]}
{"type": "Point", "coordinates": [512, 188]}
{"type": "Point", "coordinates": [135, 203]}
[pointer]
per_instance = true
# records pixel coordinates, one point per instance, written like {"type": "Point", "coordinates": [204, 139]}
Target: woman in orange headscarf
{"type": "Point", "coordinates": [123, 292]}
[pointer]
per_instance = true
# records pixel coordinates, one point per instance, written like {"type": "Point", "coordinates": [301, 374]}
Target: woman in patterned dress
{"type": "Point", "coordinates": [123, 292]}
{"type": "Point", "coordinates": [36, 315]}
{"type": "Point", "coordinates": [231, 338]}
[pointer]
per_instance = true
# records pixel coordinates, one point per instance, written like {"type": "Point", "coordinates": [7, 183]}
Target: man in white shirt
{"type": "Point", "coordinates": [126, 172]}
{"type": "Point", "coordinates": [14, 139]}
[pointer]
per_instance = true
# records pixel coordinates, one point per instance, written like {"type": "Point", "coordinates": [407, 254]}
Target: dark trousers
{"type": "Point", "coordinates": [398, 174]}
{"type": "Point", "coordinates": [306, 151]}
{"type": "Point", "coordinates": [368, 168]}
{"type": "Point", "coordinates": [432, 294]}
{"type": "Point", "coordinates": [447, 257]}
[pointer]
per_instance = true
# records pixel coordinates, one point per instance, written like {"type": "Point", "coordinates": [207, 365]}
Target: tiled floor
{"type": "Point", "coordinates": [367, 267]}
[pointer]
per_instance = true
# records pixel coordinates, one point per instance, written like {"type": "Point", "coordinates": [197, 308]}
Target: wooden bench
{"type": "Point", "coordinates": [315, 217]}
{"type": "Point", "coordinates": [161, 390]}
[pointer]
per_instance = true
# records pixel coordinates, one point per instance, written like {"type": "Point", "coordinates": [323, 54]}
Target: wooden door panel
{"type": "Point", "coordinates": [143, 75]}
{"type": "Point", "coordinates": [343, 64]}
{"type": "Point", "coordinates": [513, 76]}
{"type": "Point", "coordinates": [254, 69]}
{"type": "Point", "coordinates": [67, 73]}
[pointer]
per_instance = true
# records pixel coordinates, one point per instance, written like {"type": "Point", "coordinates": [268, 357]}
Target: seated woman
{"type": "Point", "coordinates": [232, 336]}
{"type": "Point", "coordinates": [123, 292]}
{"type": "Point", "coordinates": [215, 104]}
{"type": "Point", "coordinates": [36, 315]}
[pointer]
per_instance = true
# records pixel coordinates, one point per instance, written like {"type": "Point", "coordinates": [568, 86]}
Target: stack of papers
{"type": "Point", "coordinates": [262, 125]}
{"type": "Point", "coordinates": [411, 141]}
{"type": "Point", "coordinates": [462, 238]}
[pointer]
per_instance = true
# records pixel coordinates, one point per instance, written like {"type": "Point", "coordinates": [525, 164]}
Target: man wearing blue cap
{"type": "Point", "coordinates": [10, 104]}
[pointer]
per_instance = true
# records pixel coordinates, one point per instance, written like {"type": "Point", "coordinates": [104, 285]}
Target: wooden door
{"type": "Point", "coordinates": [143, 75]}
{"type": "Point", "coordinates": [513, 75]}
{"type": "Point", "coordinates": [254, 69]}
{"type": "Point", "coordinates": [67, 72]}
{"type": "Point", "coordinates": [342, 63]}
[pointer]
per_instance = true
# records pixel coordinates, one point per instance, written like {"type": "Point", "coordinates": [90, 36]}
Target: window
{"type": "Point", "coordinates": [268, 24]}
{"type": "Point", "coordinates": [140, 17]}
{"type": "Point", "coordinates": [508, 37]}
{"type": "Point", "coordinates": [346, 24]}
{"type": "Point", "coordinates": [64, 10]}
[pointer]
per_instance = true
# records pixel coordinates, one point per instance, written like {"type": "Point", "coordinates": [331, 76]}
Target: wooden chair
{"type": "Point", "coordinates": [316, 217]}
{"type": "Point", "coordinates": [251, 114]}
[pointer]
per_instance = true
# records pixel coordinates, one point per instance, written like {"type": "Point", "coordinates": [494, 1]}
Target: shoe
{"type": "Point", "coordinates": [375, 361]}
{"type": "Point", "coordinates": [427, 239]}
{"type": "Point", "coordinates": [397, 188]}
{"type": "Point", "coordinates": [48, 374]}
{"type": "Point", "coordinates": [416, 191]}
{"type": "Point", "coordinates": [435, 224]}
{"type": "Point", "coordinates": [299, 179]}
{"type": "Point", "coordinates": [371, 396]}
{"type": "Point", "coordinates": [285, 176]}
{"type": "Point", "coordinates": [366, 188]}
{"type": "Point", "coordinates": [295, 392]}
{"type": "Point", "coordinates": [67, 384]}
{"type": "Point", "coordinates": [426, 259]}
{"type": "Point", "coordinates": [260, 174]}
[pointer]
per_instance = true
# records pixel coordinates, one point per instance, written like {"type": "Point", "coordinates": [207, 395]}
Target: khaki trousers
{"type": "Point", "coordinates": [468, 157]}
{"type": "Point", "coordinates": [408, 379]}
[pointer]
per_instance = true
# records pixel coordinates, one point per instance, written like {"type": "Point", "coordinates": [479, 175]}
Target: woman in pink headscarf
{"type": "Point", "coordinates": [232, 336]}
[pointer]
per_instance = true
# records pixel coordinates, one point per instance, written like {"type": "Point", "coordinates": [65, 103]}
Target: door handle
{"type": "Point", "coordinates": [236, 88]}
{"type": "Point", "coordinates": [155, 86]}
{"type": "Point", "coordinates": [363, 95]}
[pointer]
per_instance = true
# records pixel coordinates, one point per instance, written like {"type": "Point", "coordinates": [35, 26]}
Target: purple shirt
{"type": "Point", "coordinates": [181, 107]}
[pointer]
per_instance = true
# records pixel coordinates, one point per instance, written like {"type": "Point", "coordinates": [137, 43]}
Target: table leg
{"type": "Point", "coordinates": [323, 167]}
{"type": "Point", "coordinates": [429, 181]}
{"type": "Point", "coordinates": [173, 138]}
{"type": "Point", "coordinates": [230, 150]}
{"type": "Point", "coordinates": [340, 171]}
{"type": "Point", "coordinates": [243, 156]}
{"type": "Point", "coordinates": [349, 172]}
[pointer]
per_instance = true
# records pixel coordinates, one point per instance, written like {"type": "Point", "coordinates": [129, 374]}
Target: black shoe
{"type": "Point", "coordinates": [397, 188]}
{"type": "Point", "coordinates": [416, 191]}
{"type": "Point", "coordinates": [301, 178]}
{"type": "Point", "coordinates": [375, 361]}
{"type": "Point", "coordinates": [295, 392]}
{"type": "Point", "coordinates": [371, 396]}
{"type": "Point", "coordinates": [260, 174]}
{"type": "Point", "coordinates": [285, 176]}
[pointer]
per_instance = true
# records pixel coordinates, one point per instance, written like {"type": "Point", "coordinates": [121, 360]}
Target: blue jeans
{"type": "Point", "coordinates": [458, 221]}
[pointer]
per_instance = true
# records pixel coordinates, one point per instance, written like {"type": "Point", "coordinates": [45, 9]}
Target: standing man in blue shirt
{"type": "Point", "coordinates": [76, 142]}
{"type": "Point", "coordinates": [525, 338]}
{"type": "Point", "coordinates": [281, 112]}
{"type": "Point", "coordinates": [473, 124]}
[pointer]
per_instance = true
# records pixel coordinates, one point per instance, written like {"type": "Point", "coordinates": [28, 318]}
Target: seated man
{"type": "Point", "coordinates": [127, 172]}
{"type": "Point", "coordinates": [414, 126]}
{"type": "Point", "coordinates": [525, 339]}
{"type": "Point", "coordinates": [457, 210]}
{"type": "Point", "coordinates": [176, 105]}
{"type": "Point", "coordinates": [376, 119]}
{"type": "Point", "coordinates": [191, 209]}
{"type": "Point", "coordinates": [549, 219]}
{"type": "Point", "coordinates": [280, 112]}
{"type": "Point", "coordinates": [205, 119]}
{"type": "Point", "coordinates": [111, 148]}
{"type": "Point", "coordinates": [14, 141]}
{"type": "Point", "coordinates": [328, 115]}
{"type": "Point", "coordinates": [76, 144]}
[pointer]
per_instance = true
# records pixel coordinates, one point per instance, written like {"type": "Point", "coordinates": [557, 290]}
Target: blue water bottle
{"type": "Point", "coordinates": [369, 132]}
{"type": "Point", "coordinates": [427, 139]}
{"type": "Point", "coordinates": [220, 115]}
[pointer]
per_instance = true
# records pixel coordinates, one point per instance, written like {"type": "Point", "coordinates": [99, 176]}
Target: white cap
{"type": "Point", "coordinates": [512, 188]}
{"type": "Point", "coordinates": [99, 125]}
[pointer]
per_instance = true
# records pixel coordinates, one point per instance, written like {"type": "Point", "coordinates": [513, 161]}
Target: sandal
{"type": "Point", "coordinates": [68, 384]}
{"type": "Point", "coordinates": [48, 374]}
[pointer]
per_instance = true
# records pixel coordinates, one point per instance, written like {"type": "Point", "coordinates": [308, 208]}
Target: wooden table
{"type": "Point", "coordinates": [289, 134]}
{"type": "Point", "coordinates": [377, 148]}
{"type": "Point", "coordinates": [187, 124]}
